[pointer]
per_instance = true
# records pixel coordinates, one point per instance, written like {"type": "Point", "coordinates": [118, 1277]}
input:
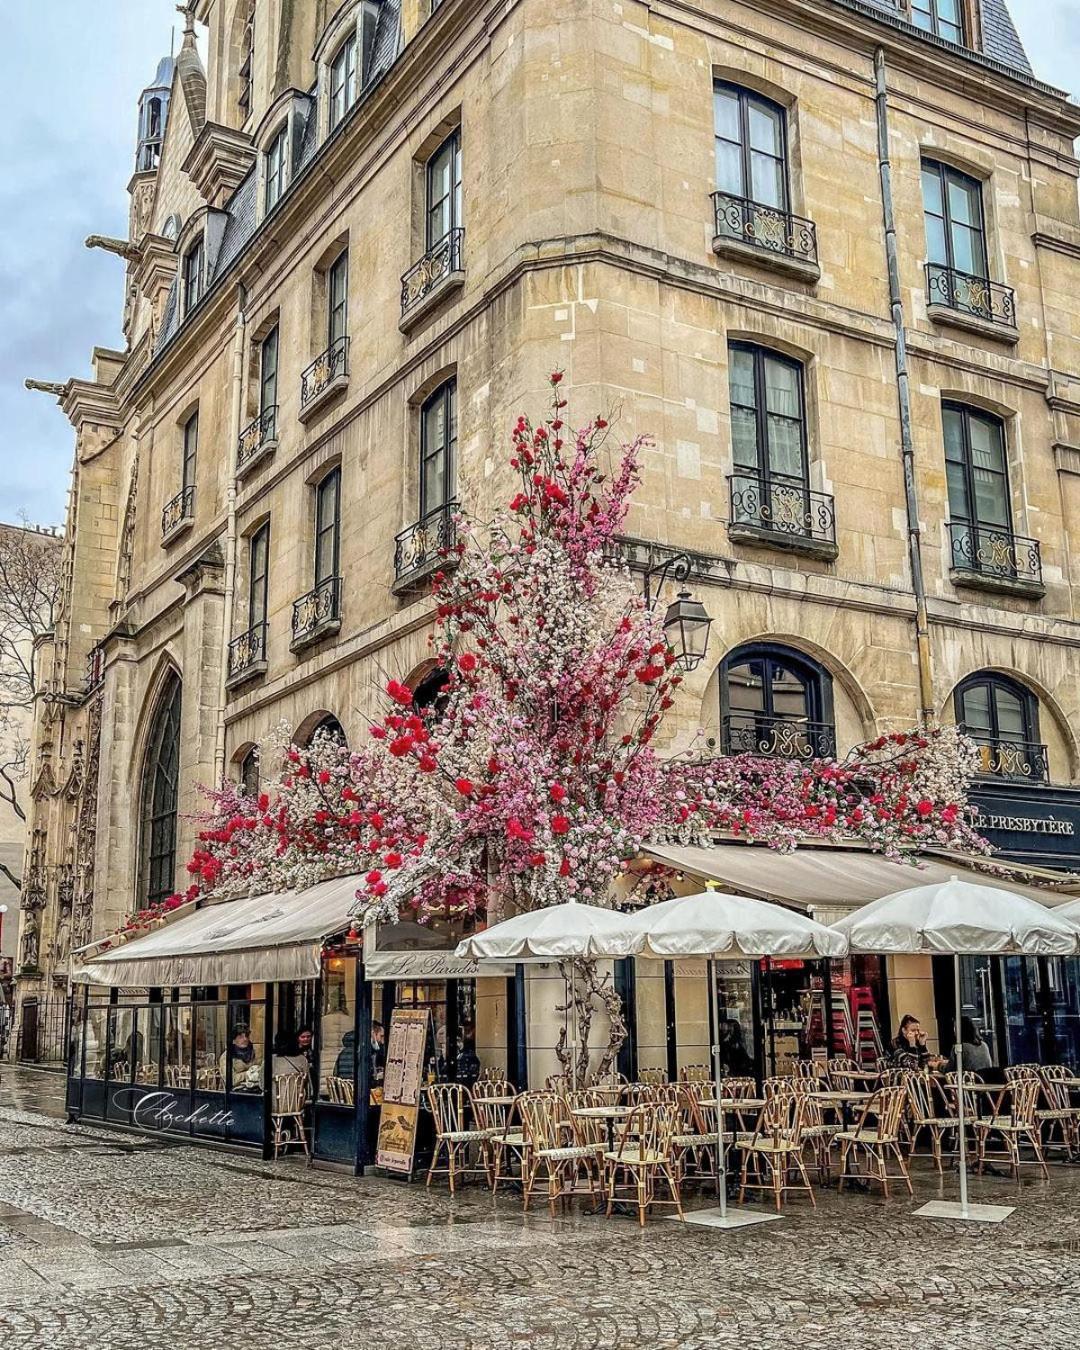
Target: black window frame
{"type": "Point", "coordinates": [328, 536]}
{"type": "Point", "coordinates": [276, 160]}
{"type": "Point", "coordinates": [258, 574]}
{"type": "Point", "coordinates": [934, 21]}
{"type": "Point", "coordinates": [446, 395]}
{"type": "Point", "coordinates": [995, 682]}
{"type": "Point", "coordinates": [159, 798]}
{"type": "Point", "coordinates": [746, 99]}
{"type": "Point", "coordinates": [340, 99]}
{"type": "Point", "coordinates": [249, 775]}
{"type": "Point", "coordinates": [946, 174]}
{"type": "Point", "coordinates": [968, 413]}
{"type": "Point", "coordinates": [452, 199]}
{"type": "Point", "coordinates": [812, 676]}
{"type": "Point", "coordinates": [337, 299]}
{"type": "Point", "coordinates": [761, 355]}
{"type": "Point", "coordinates": [192, 274]}
{"type": "Point", "coordinates": [189, 453]}
{"type": "Point", "coordinates": [269, 351]}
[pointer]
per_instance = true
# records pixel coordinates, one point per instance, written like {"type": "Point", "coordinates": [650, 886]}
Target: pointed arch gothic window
{"type": "Point", "coordinates": [159, 798]}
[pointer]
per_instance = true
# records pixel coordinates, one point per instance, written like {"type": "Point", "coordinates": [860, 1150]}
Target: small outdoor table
{"type": "Point", "coordinates": [608, 1114]}
{"type": "Point", "coordinates": [843, 1100]}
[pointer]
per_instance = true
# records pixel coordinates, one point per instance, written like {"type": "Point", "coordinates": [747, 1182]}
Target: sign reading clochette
{"type": "Point", "coordinates": [406, 1047]}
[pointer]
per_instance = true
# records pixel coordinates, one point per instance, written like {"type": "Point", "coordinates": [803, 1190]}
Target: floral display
{"type": "Point", "coordinates": [528, 774]}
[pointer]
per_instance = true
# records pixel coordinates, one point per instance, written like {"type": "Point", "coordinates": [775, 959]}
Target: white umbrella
{"type": "Point", "coordinates": [962, 919]}
{"type": "Point", "coordinates": [713, 924]}
{"type": "Point", "coordinates": [1071, 911]}
{"type": "Point", "coordinates": [558, 933]}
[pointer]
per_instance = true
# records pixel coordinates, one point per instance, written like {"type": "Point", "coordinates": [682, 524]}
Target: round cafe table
{"type": "Point", "coordinates": [843, 1100]}
{"type": "Point", "coordinates": [608, 1114]}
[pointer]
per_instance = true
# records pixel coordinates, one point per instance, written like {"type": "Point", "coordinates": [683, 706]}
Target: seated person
{"type": "Point", "coordinates": [244, 1063]}
{"type": "Point", "coordinates": [908, 1049]}
{"type": "Point", "coordinates": [977, 1056]}
{"type": "Point", "coordinates": [288, 1057]}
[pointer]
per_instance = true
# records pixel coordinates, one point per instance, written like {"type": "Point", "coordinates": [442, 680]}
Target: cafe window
{"type": "Point", "coordinates": [955, 228]}
{"type": "Point", "coordinates": [976, 467]}
{"type": "Point", "coordinates": [438, 446]}
{"type": "Point", "coordinates": [159, 799]}
{"type": "Point", "coordinates": [338, 1051]}
{"type": "Point", "coordinates": [775, 701]}
{"type": "Point", "coordinates": [443, 212]}
{"type": "Point", "coordinates": [941, 17]}
{"type": "Point", "coordinates": [751, 146]}
{"type": "Point", "coordinates": [768, 416]}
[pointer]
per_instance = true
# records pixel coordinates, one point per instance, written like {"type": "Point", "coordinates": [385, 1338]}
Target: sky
{"type": "Point", "coordinates": [69, 90]}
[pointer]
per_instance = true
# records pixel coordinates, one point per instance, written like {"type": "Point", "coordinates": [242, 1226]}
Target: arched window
{"type": "Point", "coordinates": [249, 772]}
{"type": "Point", "coordinates": [775, 701]}
{"type": "Point", "coordinates": [328, 726]}
{"type": "Point", "coordinates": [1002, 717]}
{"type": "Point", "coordinates": [158, 799]}
{"type": "Point", "coordinates": [428, 693]}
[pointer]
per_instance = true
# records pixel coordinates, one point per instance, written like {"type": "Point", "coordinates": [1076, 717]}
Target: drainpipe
{"type": "Point", "coordinates": [239, 336]}
{"type": "Point", "coordinates": [903, 392]}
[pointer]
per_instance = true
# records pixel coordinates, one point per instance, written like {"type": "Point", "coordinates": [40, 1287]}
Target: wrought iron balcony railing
{"type": "Point", "coordinates": [1025, 761]}
{"type": "Point", "coordinates": [768, 228]}
{"type": "Point", "coordinates": [424, 546]}
{"type": "Point", "coordinates": [247, 653]}
{"type": "Point", "coordinates": [329, 366]}
{"type": "Point", "coordinates": [179, 510]}
{"type": "Point", "coordinates": [754, 733]}
{"type": "Point", "coordinates": [976, 297]}
{"type": "Point", "coordinates": [782, 507]}
{"type": "Point", "coordinates": [317, 612]}
{"type": "Point", "coordinates": [259, 435]}
{"type": "Point", "coordinates": [995, 554]}
{"type": "Point", "coordinates": [95, 669]}
{"type": "Point", "coordinates": [439, 263]}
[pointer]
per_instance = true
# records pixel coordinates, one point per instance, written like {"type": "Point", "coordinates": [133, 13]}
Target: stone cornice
{"type": "Point", "coordinates": [218, 162]}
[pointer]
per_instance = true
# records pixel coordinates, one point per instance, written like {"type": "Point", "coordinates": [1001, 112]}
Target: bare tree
{"type": "Point", "coordinates": [30, 575]}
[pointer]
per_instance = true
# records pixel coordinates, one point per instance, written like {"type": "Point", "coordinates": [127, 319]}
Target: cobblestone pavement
{"type": "Point", "coordinates": [110, 1240]}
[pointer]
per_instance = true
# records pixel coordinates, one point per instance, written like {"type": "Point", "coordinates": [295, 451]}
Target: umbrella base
{"type": "Point", "coordinates": [952, 1209]}
{"type": "Point", "coordinates": [734, 1218]}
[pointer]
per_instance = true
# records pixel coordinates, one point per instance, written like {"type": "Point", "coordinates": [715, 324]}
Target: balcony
{"type": "Point", "coordinates": [425, 547]}
{"type": "Point", "coordinates": [765, 235]}
{"type": "Point", "coordinates": [1020, 761]}
{"type": "Point", "coordinates": [317, 614]}
{"type": "Point", "coordinates": [990, 558]}
{"type": "Point", "coordinates": [247, 655]}
{"type": "Point", "coordinates": [257, 441]}
{"type": "Point", "coordinates": [324, 379]}
{"type": "Point", "coordinates": [783, 514]}
{"type": "Point", "coordinates": [428, 282]}
{"type": "Point", "coordinates": [755, 733]}
{"type": "Point", "coordinates": [178, 514]}
{"type": "Point", "coordinates": [960, 300]}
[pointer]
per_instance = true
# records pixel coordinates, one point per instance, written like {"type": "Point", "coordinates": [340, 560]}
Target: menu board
{"type": "Point", "coordinates": [403, 1079]}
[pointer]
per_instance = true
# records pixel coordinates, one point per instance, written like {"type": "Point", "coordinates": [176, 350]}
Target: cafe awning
{"type": "Point", "coordinates": [828, 882]}
{"type": "Point", "coordinates": [264, 938]}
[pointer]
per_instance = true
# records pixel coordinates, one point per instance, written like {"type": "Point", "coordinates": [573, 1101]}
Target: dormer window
{"type": "Point", "coordinates": [275, 167]}
{"type": "Point", "coordinates": [192, 275]}
{"type": "Point", "coordinates": [940, 17]}
{"type": "Point", "coordinates": [343, 81]}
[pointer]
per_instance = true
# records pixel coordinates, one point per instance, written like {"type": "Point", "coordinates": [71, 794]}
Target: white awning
{"type": "Point", "coordinates": [267, 937]}
{"type": "Point", "coordinates": [828, 882]}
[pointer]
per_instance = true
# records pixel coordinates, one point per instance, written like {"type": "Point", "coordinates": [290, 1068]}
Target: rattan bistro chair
{"type": "Point", "coordinates": [643, 1156]}
{"type": "Point", "coordinates": [877, 1143]}
{"type": "Point", "coordinates": [550, 1144]}
{"type": "Point", "coordinates": [341, 1091]}
{"type": "Point", "coordinates": [506, 1140]}
{"type": "Point", "coordinates": [773, 1153]}
{"type": "Point", "coordinates": [1019, 1124]}
{"type": "Point", "coordinates": [290, 1098]}
{"type": "Point", "coordinates": [447, 1103]}
{"type": "Point", "coordinates": [1059, 1111]}
{"type": "Point", "coordinates": [927, 1114]}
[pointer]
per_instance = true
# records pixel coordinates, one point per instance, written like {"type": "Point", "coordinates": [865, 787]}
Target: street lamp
{"type": "Point", "coordinates": [687, 622]}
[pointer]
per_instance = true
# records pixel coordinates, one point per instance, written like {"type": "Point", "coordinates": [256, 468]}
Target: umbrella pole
{"type": "Point", "coordinates": [721, 1160]}
{"type": "Point", "coordinates": [958, 1041]}
{"type": "Point", "coordinates": [574, 1030]}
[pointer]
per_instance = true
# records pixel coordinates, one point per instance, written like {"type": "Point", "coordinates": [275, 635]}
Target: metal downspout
{"type": "Point", "coordinates": [228, 605]}
{"type": "Point", "coordinates": [903, 390]}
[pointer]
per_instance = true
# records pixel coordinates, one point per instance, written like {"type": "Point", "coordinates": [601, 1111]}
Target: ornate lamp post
{"type": "Point", "coordinates": [687, 622]}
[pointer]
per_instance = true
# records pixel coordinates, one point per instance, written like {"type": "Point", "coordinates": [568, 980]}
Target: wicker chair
{"type": "Point", "coordinates": [695, 1073]}
{"type": "Point", "coordinates": [1059, 1110]}
{"type": "Point", "coordinates": [506, 1138]}
{"type": "Point", "coordinates": [290, 1098]}
{"type": "Point", "coordinates": [877, 1143]}
{"type": "Point", "coordinates": [1021, 1123]}
{"type": "Point", "coordinates": [643, 1156]}
{"type": "Point", "coordinates": [551, 1144]}
{"type": "Point", "coordinates": [842, 1071]}
{"type": "Point", "coordinates": [341, 1091]}
{"type": "Point", "coordinates": [654, 1077]}
{"type": "Point", "coordinates": [447, 1103]}
{"type": "Point", "coordinates": [926, 1114]}
{"type": "Point", "coordinates": [774, 1150]}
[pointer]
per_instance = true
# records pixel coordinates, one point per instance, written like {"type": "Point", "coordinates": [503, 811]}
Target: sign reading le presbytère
{"type": "Point", "coordinates": [1041, 825]}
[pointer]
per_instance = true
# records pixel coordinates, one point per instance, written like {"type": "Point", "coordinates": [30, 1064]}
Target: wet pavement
{"type": "Point", "coordinates": [111, 1240]}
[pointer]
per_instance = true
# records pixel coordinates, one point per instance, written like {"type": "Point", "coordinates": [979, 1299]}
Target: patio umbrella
{"type": "Point", "coordinates": [712, 924]}
{"type": "Point", "coordinates": [960, 918]}
{"type": "Point", "coordinates": [1070, 911]}
{"type": "Point", "coordinates": [558, 933]}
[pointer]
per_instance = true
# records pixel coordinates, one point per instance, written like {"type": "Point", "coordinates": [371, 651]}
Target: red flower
{"type": "Point", "coordinates": [559, 824]}
{"type": "Point", "coordinates": [377, 821]}
{"type": "Point", "coordinates": [427, 764]}
{"type": "Point", "coordinates": [558, 792]}
{"type": "Point", "coordinates": [401, 746]}
{"type": "Point", "coordinates": [467, 662]}
{"type": "Point", "coordinates": [324, 776]}
{"type": "Point", "coordinates": [648, 674]}
{"type": "Point", "coordinates": [464, 786]}
{"type": "Point", "coordinates": [520, 502]}
{"type": "Point", "coordinates": [373, 877]}
{"type": "Point", "coordinates": [556, 376]}
{"type": "Point", "coordinates": [515, 830]}
{"type": "Point", "coordinates": [949, 814]}
{"type": "Point", "coordinates": [392, 860]}
{"type": "Point", "coordinates": [264, 801]}
{"type": "Point", "coordinates": [400, 693]}
{"type": "Point", "coordinates": [537, 859]}
{"type": "Point", "coordinates": [924, 808]}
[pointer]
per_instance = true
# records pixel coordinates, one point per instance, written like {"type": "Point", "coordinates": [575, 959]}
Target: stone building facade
{"type": "Point", "coordinates": [824, 252]}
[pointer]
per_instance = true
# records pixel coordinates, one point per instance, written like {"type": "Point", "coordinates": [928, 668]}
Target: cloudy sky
{"type": "Point", "coordinates": [67, 138]}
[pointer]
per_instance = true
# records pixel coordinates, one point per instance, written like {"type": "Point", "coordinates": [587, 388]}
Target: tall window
{"type": "Point", "coordinates": [438, 447]}
{"type": "Point", "coordinates": [158, 799]}
{"type": "Point", "coordinates": [247, 49]}
{"type": "Point", "coordinates": [268, 371]}
{"type": "Point", "coordinates": [276, 160]}
{"type": "Point", "coordinates": [955, 230]}
{"type": "Point", "coordinates": [976, 467]}
{"type": "Point", "coordinates": [258, 574]}
{"type": "Point", "coordinates": [751, 154]}
{"type": "Point", "coordinates": [337, 299]}
{"type": "Point", "coordinates": [192, 275]}
{"type": "Point", "coordinates": [774, 701]}
{"type": "Point", "coordinates": [327, 527]}
{"type": "Point", "coordinates": [249, 773]}
{"type": "Point", "coordinates": [768, 415]}
{"type": "Point", "coordinates": [1002, 717]}
{"type": "Point", "coordinates": [942, 17]}
{"type": "Point", "coordinates": [444, 190]}
{"type": "Point", "coordinates": [343, 81]}
{"type": "Point", "coordinates": [191, 448]}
